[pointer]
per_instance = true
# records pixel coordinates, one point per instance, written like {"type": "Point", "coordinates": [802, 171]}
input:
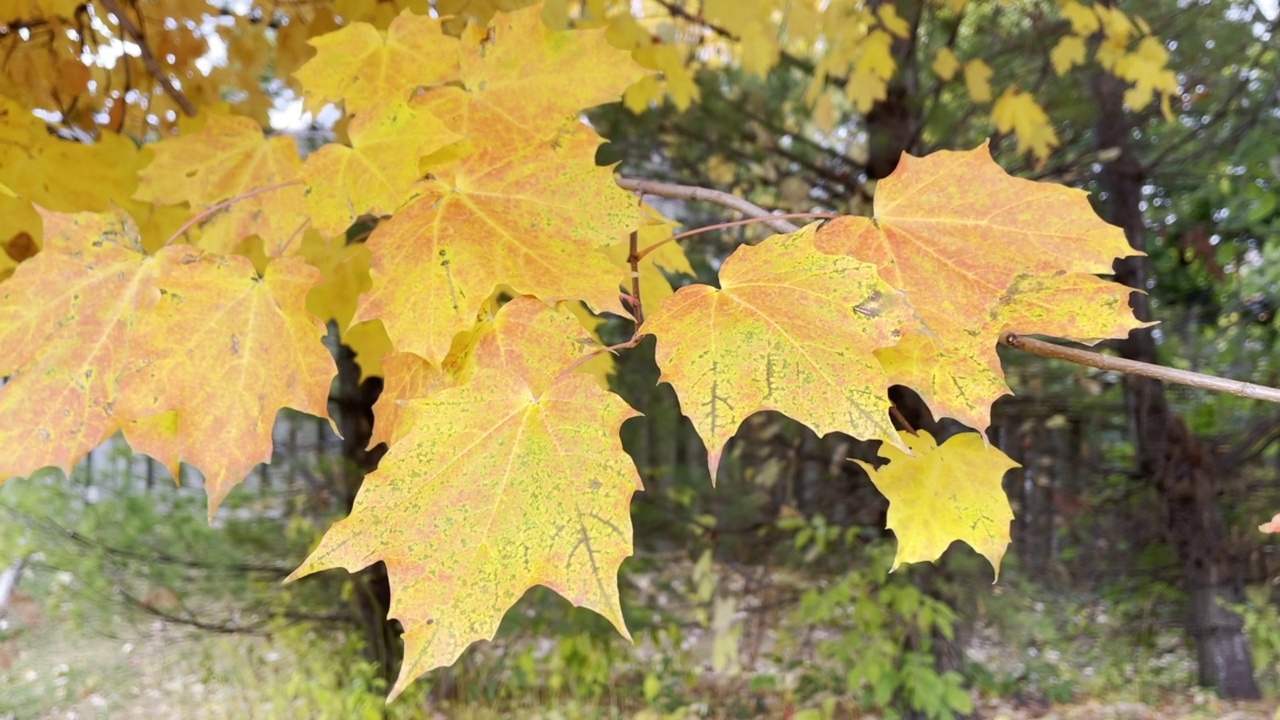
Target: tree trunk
{"type": "Point", "coordinates": [1169, 456]}
{"type": "Point", "coordinates": [353, 402]}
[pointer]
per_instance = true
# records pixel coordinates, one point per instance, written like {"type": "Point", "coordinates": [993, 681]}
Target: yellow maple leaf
{"type": "Point", "coordinates": [229, 162]}
{"type": "Point", "coordinates": [1068, 53]}
{"type": "Point", "coordinates": [977, 78]}
{"type": "Point", "coordinates": [375, 174]}
{"type": "Point", "coordinates": [512, 479]}
{"type": "Point", "coordinates": [892, 21]}
{"type": "Point", "coordinates": [527, 207]}
{"type": "Point", "coordinates": [789, 329]}
{"type": "Point", "coordinates": [980, 253]}
{"type": "Point", "coordinates": [945, 64]}
{"type": "Point", "coordinates": [1019, 112]}
{"type": "Point", "coordinates": [1084, 21]}
{"type": "Point", "coordinates": [365, 68]}
{"type": "Point", "coordinates": [573, 70]}
{"type": "Point", "coordinates": [865, 90]}
{"type": "Point", "coordinates": [942, 493]}
{"type": "Point", "coordinates": [369, 341]}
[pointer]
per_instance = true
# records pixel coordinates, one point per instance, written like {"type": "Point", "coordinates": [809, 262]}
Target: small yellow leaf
{"type": "Point", "coordinates": [945, 64]}
{"type": "Point", "coordinates": [865, 90]}
{"type": "Point", "coordinates": [1019, 112]}
{"type": "Point", "coordinates": [892, 21]}
{"type": "Point", "coordinates": [1068, 53]}
{"type": "Point", "coordinates": [943, 493]}
{"type": "Point", "coordinates": [1084, 21]}
{"type": "Point", "coordinates": [977, 78]}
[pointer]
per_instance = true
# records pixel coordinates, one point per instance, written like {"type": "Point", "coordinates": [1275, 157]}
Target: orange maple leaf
{"type": "Point", "coordinates": [225, 350]}
{"type": "Point", "coordinates": [790, 329]}
{"type": "Point", "coordinates": [513, 478]}
{"type": "Point", "coordinates": [100, 337]}
{"type": "Point", "coordinates": [981, 253]}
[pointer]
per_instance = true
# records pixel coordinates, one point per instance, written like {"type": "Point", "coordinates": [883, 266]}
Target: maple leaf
{"type": "Point", "coordinates": [981, 253]}
{"type": "Point", "coordinates": [790, 329]}
{"type": "Point", "coordinates": [943, 493]}
{"type": "Point", "coordinates": [65, 319]}
{"type": "Point", "coordinates": [513, 478]}
{"type": "Point", "coordinates": [977, 78]}
{"type": "Point", "coordinates": [100, 337]}
{"type": "Point", "coordinates": [1019, 111]}
{"type": "Point", "coordinates": [246, 348]}
{"type": "Point", "coordinates": [375, 175]}
{"type": "Point", "coordinates": [228, 158]}
{"type": "Point", "coordinates": [534, 217]}
{"type": "Point", "coordinates": [537, 78]}
{"type": "Point", "coordinates": [366, 69]}
{"type": "Point", "coordinates": [521, 337]}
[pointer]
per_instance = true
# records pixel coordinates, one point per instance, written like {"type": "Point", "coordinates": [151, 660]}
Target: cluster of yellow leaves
{"type": "Point", "coordinates": [819, 324]}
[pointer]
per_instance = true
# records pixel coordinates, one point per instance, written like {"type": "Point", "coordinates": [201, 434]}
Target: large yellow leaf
{"type": "Point", "coordinates": [534, 217]}
{"type": "Point", "coordinates": [980, 253]}
{"type": "Point", "coordinates": [229, 159]}
{"type": "Point", "coordinates": [365, 69]}
{"type": "Point", "coordinates": [375, 175]}
{"type": "Point", "coordinates": [790, 329]}
{"type": "Point", "coordinates": [100, 337]}
{"type": "Point", "coordinates": [943, 493]}
{"type": "Point", "coordinates": [226, 350]}
{"type": "Point", "coordinates": [494, 486]}
{"type": "Point", "coordinates": [538, 79]}
{"type": "Point", "coordinates": [524, 337]}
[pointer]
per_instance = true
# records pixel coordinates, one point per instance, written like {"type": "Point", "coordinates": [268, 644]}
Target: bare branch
{"type": "Point", "coordinates": [135, 34]}
{"type": "Point", "coordinates": [701, 194]}
{"type": "Point", "coordinates": [1133, 367]}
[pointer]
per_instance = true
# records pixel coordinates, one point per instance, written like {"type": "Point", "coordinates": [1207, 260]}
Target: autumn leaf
{"type": "Point", "coordinates": [977, 78]}
{"type": "Point", "coordinates": [100, 337]}
{"type": "Point", "coordinates": [229, 159]}
{"type": "Point", "coordinates": [367, 69]}
{"type": "Point", "coordinates": [228, 349]}
{"type": "Point", "coordinates": [376, 174]}
{"type": "Point", "coordinates": [493, 487]}
{"type": "Point", "coordinates": [942, 493]}
{"type": "Point", "coordinates": [66, 321]}
{"type": "Point", "coordinates": [980, 253]}
{"type": "Point", "coordinates": [789, 329]}
{"type": "Point", "coordinates": [1273, 526]}
{"type": "Point", "coordinates": [1019, 112]}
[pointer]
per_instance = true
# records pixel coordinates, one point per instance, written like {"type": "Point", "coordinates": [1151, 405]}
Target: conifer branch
{"type": "Point", "coordinates": [701, 194]}
{"type": "Point", "coordinates": [1147, 370]}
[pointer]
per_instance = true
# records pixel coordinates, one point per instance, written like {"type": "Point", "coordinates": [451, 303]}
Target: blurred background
{"type": "Point", "coordinates": [1137, 584]}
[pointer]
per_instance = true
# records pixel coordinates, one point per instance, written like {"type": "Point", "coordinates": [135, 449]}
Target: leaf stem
{"type": "Point", "coordinates": [1147, 370]}
{"type": "Point", "coordinates": [223, 205]}
{"type": "Point", "coordinates": [635, 340]}
{"type": "Point", "coordinates": [633, 259]}
{"type": "Point", "coordinates": [735, 223]}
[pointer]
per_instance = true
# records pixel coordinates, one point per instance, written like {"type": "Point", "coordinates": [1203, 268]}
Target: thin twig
{"type": "Point", "coordinates": [612, 349]}
{"type": "Point", "coordinates": [201, 217]}
{"type": "Point", "coordinates": [736, 223]}
{"type": "Point", "coordinates": [701, 194]}
{"type": "Point", "coordinates": [144, 51]}
{"type": "Point", "coordinates": [633, 259]}
{"type": "Point", "coordinates": [1133, 367]}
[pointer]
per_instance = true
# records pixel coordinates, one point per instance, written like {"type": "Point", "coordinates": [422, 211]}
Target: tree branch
{"type": "Point", "coordinates": [701, 194]}
{"type": "Point", "coordinates": [1133, 367]}
{"type": "Point", "coordinates": [144, 51]}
